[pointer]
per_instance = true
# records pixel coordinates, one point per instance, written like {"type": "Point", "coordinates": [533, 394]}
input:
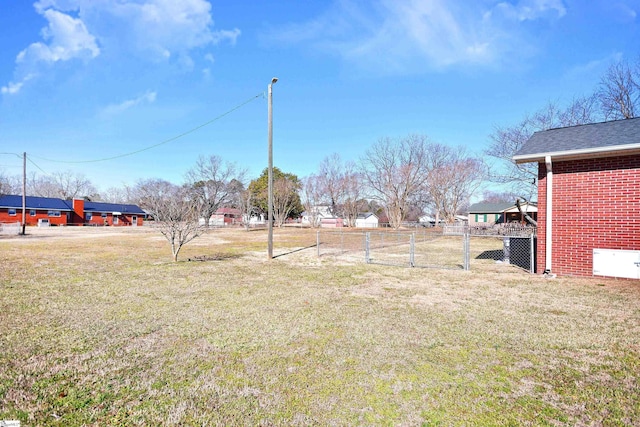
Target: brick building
{"type": "Point", "coordinates": [68, 212]}
{"type": "Point", "coordinates": [588, 198]}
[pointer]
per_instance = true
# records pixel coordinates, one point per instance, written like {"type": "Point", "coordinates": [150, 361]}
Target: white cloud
{"type": "Point", "coordinates": [161, 30]}
{"type": "Point", "coordinates": [407, 35]}
{"type": "Point", "coordinates": [13, 88]}
{"type": "Point", "coordinates": [66, 38]}
{"type": "Point", "coordinates": [147, 98]}
{"type": "Point", "coordinates": [529, 10]}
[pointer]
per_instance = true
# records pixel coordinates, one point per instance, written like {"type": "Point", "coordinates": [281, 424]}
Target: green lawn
{"type": "Point", "coordinates": [99, 327]}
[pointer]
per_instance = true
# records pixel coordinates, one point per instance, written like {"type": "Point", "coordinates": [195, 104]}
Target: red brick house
{"type": "Point", "coordinates": [588, 198]}
{"type": "Point", "coordinates": [69, 212]}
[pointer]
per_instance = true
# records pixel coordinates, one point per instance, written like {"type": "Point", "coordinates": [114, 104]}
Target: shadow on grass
{"type": "Point", "coordinates": [214, 257]}
{"type": "Point", "coordinates": [496, 255]}
{"type": "Point", "coordinates": [294, 251]}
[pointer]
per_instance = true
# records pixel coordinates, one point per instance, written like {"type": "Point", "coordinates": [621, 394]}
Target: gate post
{"type": "Point", "coordinates": [506, 249]}
{"type": "Point", "coordinates": [412, 250]}
{"type": "Point", "coordinates": [532, 254]}
{"type": "Point", "coordinates": [367, 240]}
{"type": "Point", "coordinates": [466, 248]}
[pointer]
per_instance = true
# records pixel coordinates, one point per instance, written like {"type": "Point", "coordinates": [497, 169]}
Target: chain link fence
{"type": "Point", "coordinates": [456, 247]}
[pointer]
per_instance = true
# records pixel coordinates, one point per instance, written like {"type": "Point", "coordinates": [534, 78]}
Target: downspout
{"type": "Point", "coordinates": [549, 216]}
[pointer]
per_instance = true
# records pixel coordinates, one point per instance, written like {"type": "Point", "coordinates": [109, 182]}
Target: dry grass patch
{"type": "Point", "coordinates": [109, 331]}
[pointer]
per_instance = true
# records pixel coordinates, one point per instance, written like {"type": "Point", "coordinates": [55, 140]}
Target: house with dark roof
{"type": "Point", "coordinates": [68, 212]}
{"type": "Point", "coordinates": [51, 210]}
{"type": "Point", "coordinates": [484, 213]}
{"type": "Point", "coordinates": [588, 198]}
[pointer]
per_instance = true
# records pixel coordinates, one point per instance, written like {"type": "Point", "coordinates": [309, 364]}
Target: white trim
{"type": "Point", "coordinates": [585, 152]}
{"type": "Point", "coordinates": [549, 210]}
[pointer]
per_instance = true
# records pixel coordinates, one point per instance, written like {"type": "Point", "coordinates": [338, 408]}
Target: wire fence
{"type": "Point", "coordinates": [448, 248]}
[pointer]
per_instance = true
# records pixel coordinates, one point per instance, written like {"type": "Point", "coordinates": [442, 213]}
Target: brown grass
{"type": "Point", "coordinates": [99, 327]}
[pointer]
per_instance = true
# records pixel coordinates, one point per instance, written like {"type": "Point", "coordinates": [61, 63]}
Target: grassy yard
{"type": "Point", "coordinates": [98, 327]}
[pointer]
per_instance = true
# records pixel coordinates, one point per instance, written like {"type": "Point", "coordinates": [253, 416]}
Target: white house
{"type": "Point", "coordinates": [319, 213]}
{"type": "Point", "coordinates": [367, 220]}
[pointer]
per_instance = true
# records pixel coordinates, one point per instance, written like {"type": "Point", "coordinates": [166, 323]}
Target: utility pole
{"type": "Point", "coordinates": [24, 192]}
{"type": "Point", "coordinates": [270, 181]}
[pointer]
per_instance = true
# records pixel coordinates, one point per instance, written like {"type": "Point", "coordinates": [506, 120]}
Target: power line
{"type": "Point", "coordinates": [261, 94]}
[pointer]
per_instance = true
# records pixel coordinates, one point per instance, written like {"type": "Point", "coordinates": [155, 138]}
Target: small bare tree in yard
{"type": "Point", "coordinates": [394, 170]}
{"type": "Point", "coordinates": [174, 210]}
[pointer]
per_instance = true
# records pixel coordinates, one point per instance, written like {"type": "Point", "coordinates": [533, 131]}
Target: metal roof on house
{"type": "Point", "coordinates": [112, 207]}
{"type": "Point", "coordinates": [617, 137]}
{"type": "Point", "coordinates": [32, 202]}
{"type": "Point", "coordinates": [484, 207]}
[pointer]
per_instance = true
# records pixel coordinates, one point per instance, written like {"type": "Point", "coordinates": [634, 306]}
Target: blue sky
{"type": "Point", "coordinates": [84, 80]}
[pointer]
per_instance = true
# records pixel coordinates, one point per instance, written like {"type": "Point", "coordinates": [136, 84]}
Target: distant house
{"type": "Point", "coordinates": [488, 213]}
{"type": "Point", "coordinates": [367, 220]}
{"type": "Point", "coordinates": [331, 222]}
{"type": "Point", "coordinates": [317, 214]}
{"type": "Point", "coordinates": [499, 213]}
{"type": "Point", "coordinates": [588, 198]}
{"type": "Point", "coordinates": [69, 212]}
{"type": "Point", "coordinates": [225, 217]}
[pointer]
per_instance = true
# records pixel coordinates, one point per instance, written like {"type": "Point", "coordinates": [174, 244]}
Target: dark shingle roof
{"type": "Point", "coordinates": [33, 202]}
{"type": "Point", "coordinates": [112, 207]}
{"type": "Point", "coordinates": [483, 207]}
{"type": "Point", "coordinates": [595, 138]}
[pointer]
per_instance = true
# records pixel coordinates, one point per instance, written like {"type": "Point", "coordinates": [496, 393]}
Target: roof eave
{"type": "Point", "coordinates": [586, 153]}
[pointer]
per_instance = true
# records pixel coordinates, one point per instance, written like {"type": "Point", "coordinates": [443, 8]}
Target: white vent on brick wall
{"type": "Point", "coordinates": [616, 263]}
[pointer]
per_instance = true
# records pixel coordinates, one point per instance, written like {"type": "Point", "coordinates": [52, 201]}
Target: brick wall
{"type": "Point", "coordinates": [596, 204]}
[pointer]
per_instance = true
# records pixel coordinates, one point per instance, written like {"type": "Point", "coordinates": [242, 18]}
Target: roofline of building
{"type": "Point", "coordinates": [585, 153]}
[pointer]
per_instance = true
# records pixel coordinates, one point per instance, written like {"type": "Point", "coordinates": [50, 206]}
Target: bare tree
{"type": "Point", "coordinates": [285, 199]}
{"type": "Point", "coordinates": [311, 196]}
{"type": "Point", "coordinates": [453, 177]}
{"type": "Point", "coordinates": [116, 194]}
{"type": "Point", "coordinates": [211, 182]}
{"type": "Point", "coordinates": [619, 91]}
{"type": "Point", "coordinates": [353, 201]}
{"type": "Point", "coordinates": [10, 184]}
{"type": "Point", "coordinates": [507, 140]}
{"type": "Point", "coordinates": [174, 211]}
{"type": "Point", "coordinates": [331, 181]}
{"type": "Point", "coordinates": [394, 170]}
{"type": "Point", "coordinates": [246, 204]}
{"type": "Point", "coordinates": [65, 185]}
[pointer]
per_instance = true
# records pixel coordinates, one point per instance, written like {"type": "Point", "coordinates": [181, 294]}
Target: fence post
{"type": "Point", "coordinates": [506, 250]}
{"type": "Point", "coordinates": [466, 245]}
{"type": "Point", "coordinates": [342, 241]}
{"type": "Point", "coordinates": [532, 254]}
{"type": "Point", "coordinates": [412, 252]}
{"type": "Point", "coordinates": [318, 242]}
{"type": "Point", "coordinates": [367, 239]}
